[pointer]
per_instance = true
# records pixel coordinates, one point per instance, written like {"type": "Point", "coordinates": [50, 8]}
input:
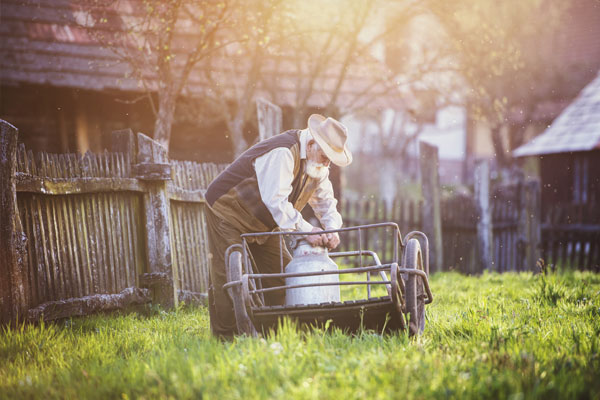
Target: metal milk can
{"type": "Point", "coordinates": [307, 258]}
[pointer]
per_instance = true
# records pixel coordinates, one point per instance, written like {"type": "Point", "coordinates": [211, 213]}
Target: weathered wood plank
{"type": "Point", "coordinates": [191, 297]}
{"type": "Point", "coordinates": [109, 244]}
{"type": "Point", "coordinates": [14, 289]}
{"type": "Point", "coordinates": [484, 224]}
{"type": "Point", "coordinates": [68, 225]}
{"type": "Point", "coordinates": [24, 208]}
{"type": "Point", "coordinates": [87, 264]}
{"type": "Point", "coordinates": [197, 256]}
{"type": "Point", "coordinates": [35, 248]}
{"type": "Point", "coordinates": [192, 247]}
{"type": "Point", "coordinates": [191, 196]}
{"type": "Point", "coordinates": [269, 118]}
{"type": "Point", "coordinates": [126, 251]}
{"type": "Point", "coordinates": [80, 273]}
{"type": "Point", "coordinates": [43, 248]}
{"type": "Point", "coordinates": [89, 304]}
{"type": "Point", "coordinates": [61, 186]}
{"type": "Point", "coordinates": [156, 206]}
{"type": "Point", "coordinates": [60, 276]}
{"type": "Point", "coordinates": [431, 213]}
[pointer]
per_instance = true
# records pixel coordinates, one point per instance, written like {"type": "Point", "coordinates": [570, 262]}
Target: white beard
{"type": "Point", "coordinates": [316, 170]}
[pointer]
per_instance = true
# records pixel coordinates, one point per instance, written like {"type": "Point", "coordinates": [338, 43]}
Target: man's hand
{"type": "Point", "coordinates": [316, 240]}
{"type": "Point", "coordinates": [330, 240]}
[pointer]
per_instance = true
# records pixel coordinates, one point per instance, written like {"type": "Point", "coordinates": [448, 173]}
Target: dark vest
{"type": "Point", "coordinates": [234, 194]}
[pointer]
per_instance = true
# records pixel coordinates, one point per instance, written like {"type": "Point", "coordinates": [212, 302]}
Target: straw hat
{"type": "Point", "coordinates": [331, 135]}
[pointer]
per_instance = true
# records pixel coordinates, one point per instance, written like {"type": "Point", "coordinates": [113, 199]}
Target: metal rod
{"type": "Point", "coordinates": [396, 244]}
{"type": "Point", "coordinates": [412, 271]}
{"type": "Point", "coordinates": [424, 279]}
{"type": "Point", "coordinates": [275, 288]}
{"type": "Point", "coordinates": [355, 253]}
{"type": "Point", "coordinates": [246, 259]}
{"type": "Point", "coordinates": [350, 228]}
{"type": "Point", "coordinates": [281, 253]}
{"type": "Point", "coordinates": [360, 247]}
{"type": "Point", "coordinates": [317, 273]}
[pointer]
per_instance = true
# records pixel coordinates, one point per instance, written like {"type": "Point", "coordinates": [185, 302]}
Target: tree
{"type": "Point", "coordinates": [327, 55]}
{"type": "Point", "coordinates": [163, 41]}
{"type": "Point", "coordinates": [236, 89]}
{"type": "Point", "coordinates": [504, 53]}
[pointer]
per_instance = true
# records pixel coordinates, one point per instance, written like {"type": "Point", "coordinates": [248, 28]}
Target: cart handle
{"type": "Point", "coordinates": [349, 228]}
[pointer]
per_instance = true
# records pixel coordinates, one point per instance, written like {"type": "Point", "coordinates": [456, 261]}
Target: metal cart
{"type": "Point", "coordinates": [405, 280]}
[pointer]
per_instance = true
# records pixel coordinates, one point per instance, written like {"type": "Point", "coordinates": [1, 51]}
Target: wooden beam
{"type": "Point", "coordinates": [269, 119]}
{"type": "Point", "coordinates": [89, 304]}
{"type": "Point", "coordinates": [59, 186]}
{"type": "Point", "coordinates": [189, 297]}
{"type": "Point", "coordinates": [188, 196]}
{"type": "Point", "coordinates": [158, 235]}
{"type": "Point", "coordinates": [484, 222]}
{"type": "Point", "coordinates": [530, 224]}
{"type": "Point", "coordinates": [431, 211]}
{"type": "Point", "coordinates": [13, 258]}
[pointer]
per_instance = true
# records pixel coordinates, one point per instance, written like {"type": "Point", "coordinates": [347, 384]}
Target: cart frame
{"type": "Point", "coordinates": [405, 278]}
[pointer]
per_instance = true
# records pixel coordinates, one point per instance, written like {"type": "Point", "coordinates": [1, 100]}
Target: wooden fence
{"type": "Point", "coordinates": [406, 213]}
{"type": "Point", "coordinates": [100, 231]}
{"type": "Point", "coordinates": [571, 236]}
{"type": "Point", "coordinates": [512, 216]}
{"type": "Point", "coordinates": [80, 234]}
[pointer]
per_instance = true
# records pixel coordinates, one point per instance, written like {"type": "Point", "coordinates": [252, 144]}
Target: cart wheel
{"type": "Point", "coordinates": [234, 273]}
{"type": "Point", "coordinates": [415, 293]}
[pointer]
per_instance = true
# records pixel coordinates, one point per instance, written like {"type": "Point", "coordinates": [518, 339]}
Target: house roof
{"type": "Point", "coordinates": [577, 128]}
{"type": "Point", "coordinates": [44, 42]}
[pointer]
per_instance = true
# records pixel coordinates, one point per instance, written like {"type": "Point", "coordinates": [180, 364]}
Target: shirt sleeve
{"type": "Point", "coordinates": [275, 173]}
{"type": "Point", "coordinates": [324, 205]}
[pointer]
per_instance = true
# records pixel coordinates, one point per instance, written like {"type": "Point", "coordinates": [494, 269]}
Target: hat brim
{"type": "Point", "coordinates": [339, 158]}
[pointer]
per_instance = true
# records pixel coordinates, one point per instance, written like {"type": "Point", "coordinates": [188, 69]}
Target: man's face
{"type": "Point", "coordinates": [317, 165]}
{"type": "Point", "coordinates": [315, 154]}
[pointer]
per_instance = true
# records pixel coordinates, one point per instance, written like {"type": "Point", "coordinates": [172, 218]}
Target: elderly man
{"type": "Point", "coordinates": [265, 189]}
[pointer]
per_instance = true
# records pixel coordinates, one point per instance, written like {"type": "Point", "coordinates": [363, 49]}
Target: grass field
{"type": "Point", "coordinates": [496, 336]}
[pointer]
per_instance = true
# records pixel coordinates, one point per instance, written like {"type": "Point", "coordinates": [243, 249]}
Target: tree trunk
{"type": "Point", "coordinates": [502, 157]}
{"type": "Point", "coordinates": [299, 120]}
{"type": "Point", "coordinates": [387, 181]}
{"type": "Point", "coordinates": [236, 135]}
{"type": "Point", "coordinates": [167, 101]}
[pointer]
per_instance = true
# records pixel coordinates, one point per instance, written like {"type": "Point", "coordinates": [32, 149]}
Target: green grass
{"type": "Point", "coordinates": [496, 336]}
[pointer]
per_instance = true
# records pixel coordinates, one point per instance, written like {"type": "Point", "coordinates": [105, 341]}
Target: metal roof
{"type": "Point", "coordinates": [577, 128]}
{"type": "Point", "coordinates": [43, 42]}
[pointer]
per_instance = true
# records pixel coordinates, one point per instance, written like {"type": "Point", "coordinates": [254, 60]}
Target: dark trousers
{"type": "Point", "coordinates": [222, 234]}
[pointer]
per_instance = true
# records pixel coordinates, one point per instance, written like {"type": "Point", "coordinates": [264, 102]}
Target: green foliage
{"type": "Point", "coordinates": [493, 336]}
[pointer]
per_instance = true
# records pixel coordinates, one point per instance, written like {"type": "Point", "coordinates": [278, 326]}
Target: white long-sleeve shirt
{"type": "Point", "coordinates": [275, 185]}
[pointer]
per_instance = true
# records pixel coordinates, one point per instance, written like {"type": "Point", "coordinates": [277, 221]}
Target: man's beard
{"type": "Point", "coordinates": [316, 170]}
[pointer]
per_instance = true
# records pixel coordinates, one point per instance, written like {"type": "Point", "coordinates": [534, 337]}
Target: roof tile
{"type": "Point", "coordinates": [576, 129]}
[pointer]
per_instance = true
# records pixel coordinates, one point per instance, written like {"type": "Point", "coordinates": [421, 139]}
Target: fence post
{"type": "Point", "coordinates": [484, 219]}
{"type": "Point", "coordinates": [153, 169]}
{"type": "Point", "coordinates": [529, 223]}
{"type": "Point", "coordinates": [269, 119]}
{"type": "Point", "coordinates": [431, 214]}
{"type": "Point", "coordinates": [13, 257]}
{"type": "Point", "coordinates": [123, 141]}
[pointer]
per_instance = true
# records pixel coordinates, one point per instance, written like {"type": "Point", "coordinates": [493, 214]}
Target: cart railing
{"type": "Point", "coordinates": [398, 243]}
{"type": "Point", "coordinates": [374, 268]}
{"type": "Point", "coordinates": [255, 279]}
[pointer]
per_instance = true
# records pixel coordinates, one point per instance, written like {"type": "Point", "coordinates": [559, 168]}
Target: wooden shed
{"type": "Point", "coordinates": [66, 92]}
{"type": "Point", "coordinates": [569, 152]}
{"type": "Point", "coordinates": [569, 161]}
